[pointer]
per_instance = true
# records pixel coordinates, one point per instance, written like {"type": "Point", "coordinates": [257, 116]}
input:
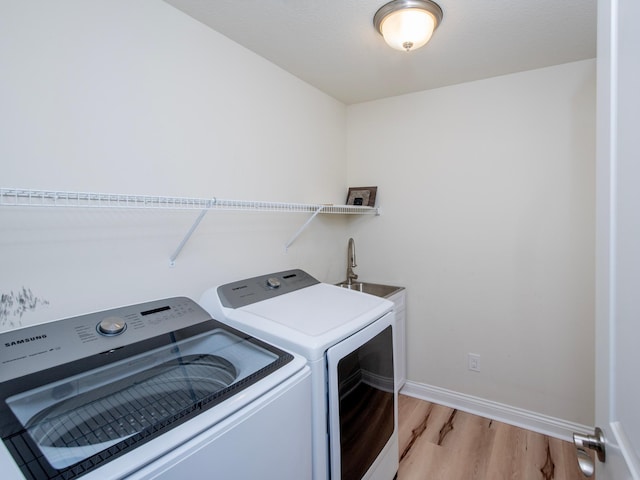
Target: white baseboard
{"type": "Point", "coordinates": [553, 427]}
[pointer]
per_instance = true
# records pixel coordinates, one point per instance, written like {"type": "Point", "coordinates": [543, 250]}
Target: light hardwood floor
{"type": "Point", "coordinates": [440, 443]}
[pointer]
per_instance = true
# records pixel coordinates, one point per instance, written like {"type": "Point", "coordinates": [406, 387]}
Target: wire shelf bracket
{"type": "Point", "coordinates": [302, 228]}
{"type": "Point", "coordinates": [172, 258]}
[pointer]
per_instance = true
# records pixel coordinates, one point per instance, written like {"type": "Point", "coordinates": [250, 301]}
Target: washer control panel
{"type": "Point", "coordinates": [26, 350]}
{"type": "Point", "coordinates": [245, 292]}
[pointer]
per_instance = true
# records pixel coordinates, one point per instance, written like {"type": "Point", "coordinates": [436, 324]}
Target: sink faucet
{"type": "Point", "coordinates": [351, 262]}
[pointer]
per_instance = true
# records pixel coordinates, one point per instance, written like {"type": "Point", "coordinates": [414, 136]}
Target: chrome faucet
{"type": "Point", "coordinates": [351, 262]}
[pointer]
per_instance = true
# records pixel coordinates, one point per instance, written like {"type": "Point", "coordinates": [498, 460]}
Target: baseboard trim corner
{"type": "Point", "coordinates": [551, 426]}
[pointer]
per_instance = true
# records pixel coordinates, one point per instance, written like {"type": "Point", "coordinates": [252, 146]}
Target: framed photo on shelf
{"type": "Point", "coordinates": [362, 196]}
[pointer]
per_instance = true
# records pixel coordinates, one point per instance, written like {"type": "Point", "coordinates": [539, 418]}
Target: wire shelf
{"type": "Point", "coordinates": [50, 198]}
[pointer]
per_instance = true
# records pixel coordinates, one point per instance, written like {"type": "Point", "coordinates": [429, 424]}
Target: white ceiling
{"type": "Point", "coordinates": [333, 45]}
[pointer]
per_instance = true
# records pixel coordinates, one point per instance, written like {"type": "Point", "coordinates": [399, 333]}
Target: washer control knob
{"type": "Point", "coordinates": [273, 282]}
{"type": "Point", "coordinates": [112, 326]}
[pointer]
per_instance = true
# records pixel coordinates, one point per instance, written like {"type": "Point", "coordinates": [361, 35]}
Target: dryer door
{"type": "Point", "coordinates": [363, 404]}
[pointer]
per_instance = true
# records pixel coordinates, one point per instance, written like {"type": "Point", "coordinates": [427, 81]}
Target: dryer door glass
{"type": "Point", "coordinates": [366, 415]}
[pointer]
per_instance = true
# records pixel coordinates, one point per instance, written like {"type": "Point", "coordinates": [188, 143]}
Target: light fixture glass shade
{"type": "Point", "coordinates": [408, 29]}
{"type": "Point", "coordinates": [407, 24]}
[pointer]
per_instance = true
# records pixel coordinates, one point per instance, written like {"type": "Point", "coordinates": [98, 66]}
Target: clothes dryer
{"type": "Point", "coordinates": [347, 339]}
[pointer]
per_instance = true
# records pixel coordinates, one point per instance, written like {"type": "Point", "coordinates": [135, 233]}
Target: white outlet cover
{"type": "Point", "coordinates": [474, 362]}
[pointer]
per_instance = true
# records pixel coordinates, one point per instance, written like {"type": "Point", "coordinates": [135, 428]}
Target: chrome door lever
{"type": "Point", "coordinates": [594, 442]}
{"type": "Point", "coordinates": [591, 442]}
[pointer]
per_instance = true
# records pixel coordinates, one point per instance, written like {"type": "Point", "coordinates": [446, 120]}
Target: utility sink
{"type": "Point", "coordinates": [376, 289]}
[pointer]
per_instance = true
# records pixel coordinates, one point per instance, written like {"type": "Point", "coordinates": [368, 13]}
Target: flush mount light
{"type": "Point", "coordinates": [407, 24]}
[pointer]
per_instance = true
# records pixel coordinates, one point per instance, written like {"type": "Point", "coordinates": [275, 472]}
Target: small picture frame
{"type": "Point", "coordinates": [362, 196]}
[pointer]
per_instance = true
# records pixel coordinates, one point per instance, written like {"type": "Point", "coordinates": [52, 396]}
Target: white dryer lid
{"type": "Point", "coordinates": [310, 320]}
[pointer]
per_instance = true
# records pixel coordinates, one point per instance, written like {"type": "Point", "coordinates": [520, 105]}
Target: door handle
{"type": "Point", "coordinates": [594, 442]}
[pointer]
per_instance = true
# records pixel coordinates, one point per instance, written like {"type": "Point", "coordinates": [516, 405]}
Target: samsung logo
{"type": "Point", "coordinates": [24, 340]}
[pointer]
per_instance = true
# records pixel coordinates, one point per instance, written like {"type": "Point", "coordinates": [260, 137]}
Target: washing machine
{"type": "Point", "coordinates": [155, 390]}
{"type": "Point", "coordinates": [347, 340]}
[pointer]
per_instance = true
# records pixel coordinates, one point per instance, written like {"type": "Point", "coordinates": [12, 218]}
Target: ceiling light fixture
{"type": "Point", "coordinates": [407, 24]}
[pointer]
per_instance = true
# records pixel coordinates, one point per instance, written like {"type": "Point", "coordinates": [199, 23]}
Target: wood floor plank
{"type": "Point", "coordinates": [412, 422]}
{"type": "Point", "coordinates": [505, 456]}
{"type": "Point", "coordinates": [471, 442]}
{"type": "Point", "coordinates": [441, 443]}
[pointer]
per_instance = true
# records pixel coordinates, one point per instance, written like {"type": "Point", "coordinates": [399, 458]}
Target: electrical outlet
{"type": "Point", "coordinates": [474, 362]}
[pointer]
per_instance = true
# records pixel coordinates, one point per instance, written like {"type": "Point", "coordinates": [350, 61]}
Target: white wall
{"type": "Point", "coordinates": [486, 189]}
{"type": "Point", "coordinates": [135, 97]}
{"type": "Point", "coordinates": [487, 194]}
